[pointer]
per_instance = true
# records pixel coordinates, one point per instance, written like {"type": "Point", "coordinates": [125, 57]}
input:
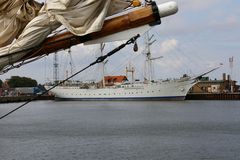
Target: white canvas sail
{"type": "Point", "coordinates": [79, 16]}
{"type": "Point", "coordinates": [14, 16]}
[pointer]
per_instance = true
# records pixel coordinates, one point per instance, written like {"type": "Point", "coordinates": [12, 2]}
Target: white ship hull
{"type": "Point", "coordinates": [164, 90]}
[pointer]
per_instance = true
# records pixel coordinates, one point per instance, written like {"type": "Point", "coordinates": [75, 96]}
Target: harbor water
{"type": "Point", "coordinates": [176, 130]}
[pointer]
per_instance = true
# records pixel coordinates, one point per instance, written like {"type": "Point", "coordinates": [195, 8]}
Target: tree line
{"type": "Point", "coordinates": [16, 81]}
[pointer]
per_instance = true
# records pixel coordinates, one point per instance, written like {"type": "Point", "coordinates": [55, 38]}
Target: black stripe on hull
{"type": "Point", "coordinates": [179, 98]}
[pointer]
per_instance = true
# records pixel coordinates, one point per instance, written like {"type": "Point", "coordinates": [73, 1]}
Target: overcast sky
{"type": "Point", "coordinates": [203, 34]}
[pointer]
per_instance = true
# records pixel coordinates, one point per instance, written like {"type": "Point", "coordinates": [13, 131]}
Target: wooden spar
{"type": "Point", "coordinates": [146, 15]}
{"type": "Point", "coordinates": [65, 40]}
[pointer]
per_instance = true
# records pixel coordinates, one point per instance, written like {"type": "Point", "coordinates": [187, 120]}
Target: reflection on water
{"type": "Point", "coordinates": [187, 130]}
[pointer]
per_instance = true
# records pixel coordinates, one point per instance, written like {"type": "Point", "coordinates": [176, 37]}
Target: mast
{"type": "Point", "coordinates": [148, 54]}
{"type": "Point", "coordinates": [149, 72]}
{"type": "Point", "coordinates": [55, 68]}
{"type": "Point", "coordinates": [71, 63]}
{"type": "Point", "coordinates": [102, 45]}
{"type": "Point", "coordinates": [148, 68]}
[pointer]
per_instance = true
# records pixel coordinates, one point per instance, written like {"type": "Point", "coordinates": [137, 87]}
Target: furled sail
{"type": "Point", "coordinates": [29, 26]}
{"type": "Point", "coordinates": [14, 16]}
{"type": "Point", "coordinates": [24, 25]}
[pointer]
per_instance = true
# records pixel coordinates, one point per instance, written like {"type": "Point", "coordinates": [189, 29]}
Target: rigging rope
{"type": "Point", "coordinates": [98, 60]}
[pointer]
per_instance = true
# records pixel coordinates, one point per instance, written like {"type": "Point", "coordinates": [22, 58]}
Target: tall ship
{"type": "Point", "coordinates": [176, 89]}
{"type": "Point", "coordinates": [125, 87]}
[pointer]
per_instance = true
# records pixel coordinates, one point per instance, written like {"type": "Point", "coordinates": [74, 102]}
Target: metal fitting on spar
{"type": "Point", "coordinates": [167, 9]}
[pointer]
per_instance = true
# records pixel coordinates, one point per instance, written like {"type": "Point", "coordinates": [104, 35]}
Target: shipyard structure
{"type": "Point", "coordinates": [208, 89]}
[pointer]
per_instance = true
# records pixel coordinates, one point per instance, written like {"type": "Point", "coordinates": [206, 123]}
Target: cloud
{"type": "Point", "coordinates": [168, 46]}
{"type": "Point", "coordinates": [229, 22]}
{"type": "Point", "coordinates": [196, 16]}
{"type": "Point", "coordinates": [197, 5]}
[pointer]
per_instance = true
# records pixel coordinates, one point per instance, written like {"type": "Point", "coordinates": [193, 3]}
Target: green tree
{"type": "Point", "coordinates": [16, 81]}
{"type": "Point", "coordinates": [1, 82]}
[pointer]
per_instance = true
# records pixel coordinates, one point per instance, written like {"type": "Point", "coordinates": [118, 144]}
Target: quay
{"type": "Point", "coordinates": [13, 99]}
{"type": "Point", "coordinates": [213, 96]}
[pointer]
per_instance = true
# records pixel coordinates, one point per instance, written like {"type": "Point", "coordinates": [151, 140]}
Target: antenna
{"type": "Point", "coordinates": [231, 73]}
{"type": "Point", "coordinates": [231, 65]}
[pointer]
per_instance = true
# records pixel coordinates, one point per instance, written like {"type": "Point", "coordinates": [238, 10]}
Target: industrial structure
{"type": "Point", "coordinates": [225, 85]}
